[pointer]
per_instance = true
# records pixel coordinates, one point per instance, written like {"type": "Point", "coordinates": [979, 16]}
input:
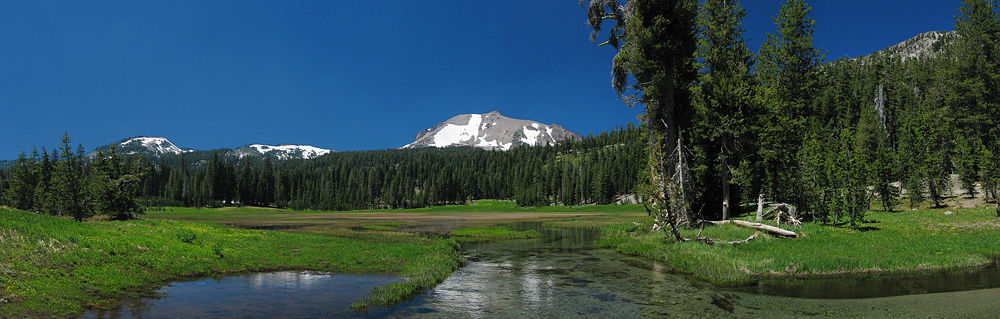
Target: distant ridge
{"type": "Point", "coordinates": [157, 146]}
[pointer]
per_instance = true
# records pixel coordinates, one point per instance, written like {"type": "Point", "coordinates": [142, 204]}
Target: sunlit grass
{"type": "Point", "coordinates": [56, 267]}
{"type": "Point", "coordinates": [495, 232]}
{"type": "Point", "coordinates": [892, 244]}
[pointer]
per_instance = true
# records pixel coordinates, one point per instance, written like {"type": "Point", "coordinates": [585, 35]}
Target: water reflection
{"type": "Point", "coordinates": [262, 295]}
{"type": "Point", "coordinates": [559, 276]}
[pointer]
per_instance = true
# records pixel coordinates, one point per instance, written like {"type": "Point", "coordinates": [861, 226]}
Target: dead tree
{"type": "Point", "coordinates": [784, 213]}
{"type": "Point", "coordinates": [670, 205]}
{"type": "Point", "coordinates": [760, 207]}
{"type": "Point", "coordinates": [758, 226]}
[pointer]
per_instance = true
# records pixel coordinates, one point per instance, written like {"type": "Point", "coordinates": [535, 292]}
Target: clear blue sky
{"type": "Point", "coordinates": [346, 75]}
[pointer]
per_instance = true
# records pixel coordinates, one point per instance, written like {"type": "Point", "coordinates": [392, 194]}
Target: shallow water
{"type": "Point", "coordinates": [561, 275]}
{"type": "Point", "coordinates": [287, 294]}
{"type": "Point", "coordinates": [841, 288]}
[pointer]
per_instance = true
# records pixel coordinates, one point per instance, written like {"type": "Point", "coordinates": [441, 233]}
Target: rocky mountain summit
{"type": "Point", "coordinates": [491, 131]}
{"type": "Point", "coordinates": [924, 44]}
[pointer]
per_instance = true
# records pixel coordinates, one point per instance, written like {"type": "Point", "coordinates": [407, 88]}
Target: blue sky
{"type": "Point", "coordinates": [346, 75]}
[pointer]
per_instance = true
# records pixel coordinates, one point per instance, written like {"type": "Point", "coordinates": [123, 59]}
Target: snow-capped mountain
{"type": "Point", "coordinates": [283, 151]}
{"type": "Point", "coordinates": [159, 146]}
{"type": "Point", "coordinates": [149, 144]}
{"type": "Point", "coordinates": [490, 131]}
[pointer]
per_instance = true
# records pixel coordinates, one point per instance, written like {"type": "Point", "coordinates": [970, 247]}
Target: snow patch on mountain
{"type": "Point", "coordinates": [531, 135]}
{"type": "Point", "coordinates": [452, 134]}
{"type": "Point", "coordinates": [490, 131]}
{"type": "Point", "coordinates": [283, 151]}
{"type": "Point", "coordinates": [153, 144]}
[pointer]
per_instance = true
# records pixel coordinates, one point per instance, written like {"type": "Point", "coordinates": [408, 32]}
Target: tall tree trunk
{"type": "Point", "coordinates": [725, 188]}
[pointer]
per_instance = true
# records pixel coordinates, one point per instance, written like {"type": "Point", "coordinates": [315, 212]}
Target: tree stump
{"type": "Point", "coordinates": [760, 207]}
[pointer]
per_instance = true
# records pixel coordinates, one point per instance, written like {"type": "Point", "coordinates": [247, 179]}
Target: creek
{"type": "Point", "coordinates": [561, 275]}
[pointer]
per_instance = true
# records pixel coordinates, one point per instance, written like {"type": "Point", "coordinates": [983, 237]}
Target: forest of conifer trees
{"type": "Point", "coordinates": [593, 170]}
{"type": "Point", "coordinates": [832, 138]}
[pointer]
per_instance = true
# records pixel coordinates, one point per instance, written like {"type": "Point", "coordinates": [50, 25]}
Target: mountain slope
{"type": "Point", "coordinates": [153, 145]}
{"type": "Point", "coordinates": [924, 44]}
{"type": "Point", "coordinates": [282, 152]}
{"type": "Point", "coordinates": [490, 131]}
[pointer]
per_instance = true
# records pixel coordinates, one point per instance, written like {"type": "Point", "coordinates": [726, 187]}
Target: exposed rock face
{"type": "Point", "coordinates": [924, 44]}
{"type": "Point", "coordinates": [491, 131]}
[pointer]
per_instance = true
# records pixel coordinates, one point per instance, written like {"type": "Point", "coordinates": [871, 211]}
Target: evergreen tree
{"type": "Point", "coordinates": [723, 95]}
{"type": "Point", "coordinates": [966, 161]}
{"type": "Point", "coordinates": [785, 68]}
{"type": "Point", "coordinates": [115, 185]}
{"type": "Point", "coordinates": [44, 197]}
{"type": "Point", "coordinates": [20, 193]}
{"type": "Point", "coordinates": [70, 185]}
{"type": "Point", "coordinates": [989, 166]}
{"type": "Point", "coordinates": [975, 78]}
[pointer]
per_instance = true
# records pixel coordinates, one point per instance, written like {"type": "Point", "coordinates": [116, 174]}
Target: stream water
{"type": "Point", "coordinates": [561, 275]}
{"type": "Point", "coordinates": [286, 294]}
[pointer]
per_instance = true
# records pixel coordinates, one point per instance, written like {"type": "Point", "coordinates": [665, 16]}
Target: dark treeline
{"type": "Point", "coordinates": [62, 182]}
{"type": "Point", "coordinates": [593, 170]}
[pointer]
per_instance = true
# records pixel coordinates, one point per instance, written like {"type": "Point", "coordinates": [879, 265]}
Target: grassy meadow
{"type": "Point", "coordinates": [888, 244]}
{"type": "Point", "coordinates": [495, 232]}
{"type": "Point", "coordinates": [56, 267]}
{"type": "Point", "coordinates": [479, 206]}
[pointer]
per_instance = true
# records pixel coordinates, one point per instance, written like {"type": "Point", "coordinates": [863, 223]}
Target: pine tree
{"type": "Point", "coordinates": [70, 184]}
{"type": "Point", "coordinates": [724, 93]}
{"type": "Point", "coordinates": [879, 159]}
{"type": "Point", "coordinates": [20, 193]}
{"type": "Point", "coordinates": [115, 186]}
{"type": "Point", "coordinates": [976, 75]}
{"type": "Point", "coordinates": [785, 68]}
{"type": "Point", "coordinates": [989, 166]}
{"type": "Point", "coordinates": [44, 197]}
{"type": "Point", "coordinates": [966, 161]}
{"type": "Point", "coordinates": [655, 42]}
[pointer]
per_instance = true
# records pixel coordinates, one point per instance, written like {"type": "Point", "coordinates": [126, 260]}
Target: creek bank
{"type": "Point", "coordinates": [64, 266]}
{"type": "Point", "coordinates": [889, 245]}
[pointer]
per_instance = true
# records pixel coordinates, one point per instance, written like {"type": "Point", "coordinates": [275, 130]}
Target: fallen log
{"type": "Point", "coordinates": [759, 226]}
{"type": "Point", "coordinates": [734, 243]}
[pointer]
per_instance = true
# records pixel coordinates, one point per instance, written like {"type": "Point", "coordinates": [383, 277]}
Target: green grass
{"type": "Point", "coordinates": [56, 267]}
{"type": "Point", "coordinates": [895, 244]}
{"type": "Point", "coordinates": [383, 226]}
{"type": "Point", "coordinates": [496, 232]}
